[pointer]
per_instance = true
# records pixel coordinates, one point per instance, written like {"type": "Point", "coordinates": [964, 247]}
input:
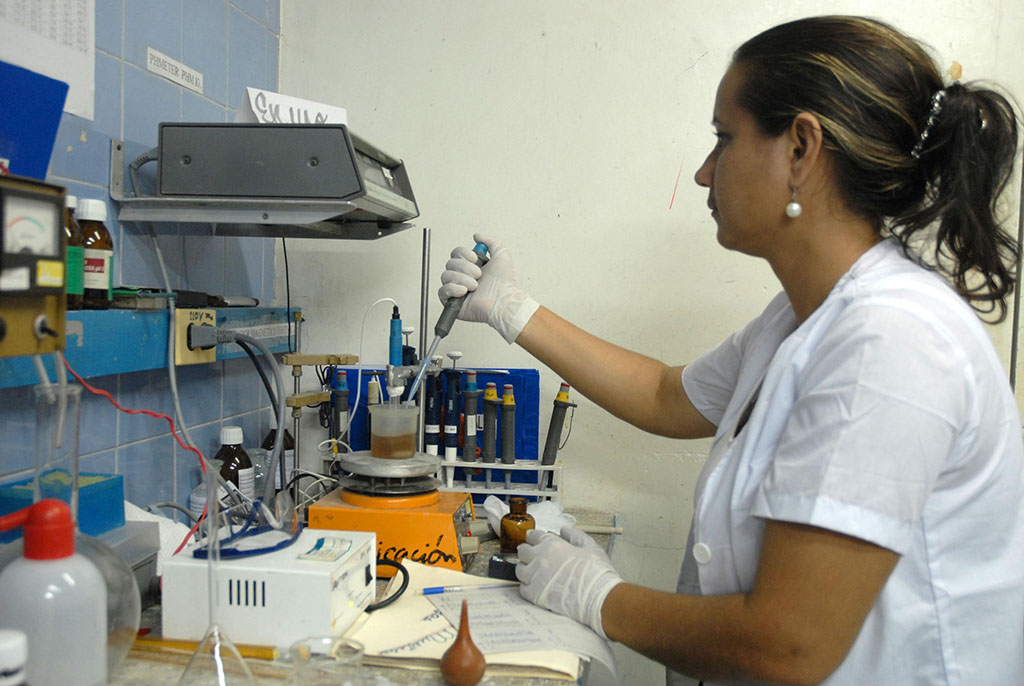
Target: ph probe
{"type": "Point", "coordinates": [443, 326]}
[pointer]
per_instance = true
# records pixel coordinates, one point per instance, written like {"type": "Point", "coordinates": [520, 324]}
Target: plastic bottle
{"type": "Point", "coordinates": [57, 597]}
{"type": "Point", "coordinates": [97, 276]}
{"type": "Point", "coordinates": [287, 452]}
{"type": "Point", "coordinates": [514, 525]}
{"type": "Point", "coordinates": [13, 657]}
{"type": "Point", "coordinates": [74, 257]}
{"type": "Point", "coordinates": [237, 467]}
{"type": "Point", "coordinates": [197, 498]}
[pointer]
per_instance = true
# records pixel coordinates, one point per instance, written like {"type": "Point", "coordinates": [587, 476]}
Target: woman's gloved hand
{"type": "Point", "coordinates": [570, 574]}
{"type": "Point", "coordinates": [493, 296]}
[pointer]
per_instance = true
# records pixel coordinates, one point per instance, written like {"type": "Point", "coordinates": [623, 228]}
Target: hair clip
{"type": "Point", "coordinates": [933, 115]}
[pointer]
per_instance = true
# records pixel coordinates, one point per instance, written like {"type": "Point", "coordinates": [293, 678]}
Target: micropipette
{"type": "Point", "coordinates": [443, 326]}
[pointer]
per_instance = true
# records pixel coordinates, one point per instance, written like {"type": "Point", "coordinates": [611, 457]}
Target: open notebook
{"type": "Point", "coordinates": [414, 632]}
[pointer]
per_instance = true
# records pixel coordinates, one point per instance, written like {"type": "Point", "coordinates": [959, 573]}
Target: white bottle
{"type": "Point", "coordinates": [13, 656]}
{"type": "Point", "coordinates": [57, 597]}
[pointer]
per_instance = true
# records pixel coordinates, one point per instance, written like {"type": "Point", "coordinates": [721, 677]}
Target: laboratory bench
{"type": "Point", "coordinates": [164, 667]}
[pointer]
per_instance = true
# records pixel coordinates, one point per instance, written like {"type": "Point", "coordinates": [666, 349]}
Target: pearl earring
{"type": "Point", "coordinates": [793, 209]}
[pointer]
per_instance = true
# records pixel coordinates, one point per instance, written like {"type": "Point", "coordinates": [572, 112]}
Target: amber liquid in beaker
{"type": "Point", "coordinates": [393, 447]}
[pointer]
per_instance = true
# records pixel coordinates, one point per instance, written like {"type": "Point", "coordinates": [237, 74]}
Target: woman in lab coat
{"type": "Point", "coordinates": [860, 519]}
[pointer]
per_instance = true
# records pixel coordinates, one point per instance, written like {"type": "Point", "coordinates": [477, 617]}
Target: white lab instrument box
{"type": "Point", "coordinates": [318, 585]}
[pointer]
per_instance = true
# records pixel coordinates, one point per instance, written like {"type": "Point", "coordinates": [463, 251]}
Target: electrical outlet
{"type": "Point", "coordinates": [184, 317]}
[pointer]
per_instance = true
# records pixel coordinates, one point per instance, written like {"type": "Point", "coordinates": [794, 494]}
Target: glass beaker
{"type": "Point", "coordinates": [56, 444]}
{"type": "Point", "coordinates": [393, 430]}
{"type": "Point", "coordinates": [326, 661]}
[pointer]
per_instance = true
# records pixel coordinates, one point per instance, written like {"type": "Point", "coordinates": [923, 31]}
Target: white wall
{"type": "Point", "coordinates": [561, 128]}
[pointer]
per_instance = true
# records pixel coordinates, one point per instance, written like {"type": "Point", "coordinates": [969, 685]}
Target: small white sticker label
{"type": "Point", "coordinates": [175, 71]}
{"type": "Point", "coordinates": [15, 279]}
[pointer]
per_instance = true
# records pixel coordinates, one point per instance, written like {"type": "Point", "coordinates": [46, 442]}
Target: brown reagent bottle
{"type": "Point", "coordinates": [514, 525]}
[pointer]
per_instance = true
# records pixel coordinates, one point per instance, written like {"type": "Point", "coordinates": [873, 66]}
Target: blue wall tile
{"type": "Point", "coordinates": [243, 389]}
{"type": "Point", "coordinates": [247, 60]}
{"type": "Point", "coordinates": [197, 108]}
{"type": "Point", "coordinates": [149, 390]}
{"type": "Point", "coordinates": [200, 387]}
{"type": "Point", "coordinates": [274, 15]}
{"type": "Point", "coordinates": [148, 100]}
{"type": "Point", "coordinates": [80, 152]}
{"type": "Point", "coordinates": [109, 26]}
{"type": "Point", "coordinates": [267, 288]}
{"type": "Point", "coordinates": [98, 422]}
{"type": "Point", "coordinates": [204, 47]}
{"type": "Point", "coordinates": [148, 469]}
{"type": "Point", "coordinates": [152, 24]}
{"type": "Point", "coordinates": [140, 265]}
{"type": "Point", "coordinates": [273, 50]}
{"type": "Point", "coordinates": [257, 9]}
{"type": "Point", "coordinates": [104, 462]}
{"type": "Point", "coordinates": [107, 104]}
{"type": "Point", "coordinates": [243, 266]}
{"type": "Point", "coordinates": [204, 263]}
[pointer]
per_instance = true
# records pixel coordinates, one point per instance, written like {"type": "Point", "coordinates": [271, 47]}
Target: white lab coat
{"type": "Point", "coordinates": [886, 416]}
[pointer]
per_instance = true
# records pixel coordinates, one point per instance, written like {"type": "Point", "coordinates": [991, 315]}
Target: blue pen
{"type": "Point", "coordinates": [434, 590]}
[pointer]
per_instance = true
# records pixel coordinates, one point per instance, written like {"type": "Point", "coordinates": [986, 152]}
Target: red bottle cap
{"type": "Point", "coordinates": [49, 531]}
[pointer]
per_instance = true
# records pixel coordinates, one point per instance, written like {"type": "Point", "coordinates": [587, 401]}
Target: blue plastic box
{"type": "Point", "coordinates": [100, 500]}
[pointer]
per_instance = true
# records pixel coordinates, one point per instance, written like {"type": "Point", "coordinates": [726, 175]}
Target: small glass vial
{"type": "Point", "coordinates": [98, 254]}
{"type": "Point", "coordinates": [514, 525]}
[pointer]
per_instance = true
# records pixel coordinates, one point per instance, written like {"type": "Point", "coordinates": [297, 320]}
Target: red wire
{"type": "Point", "coordinates": [174, 432]}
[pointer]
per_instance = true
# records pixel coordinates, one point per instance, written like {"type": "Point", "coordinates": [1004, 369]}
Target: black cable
{"type": "Point", "coordinates": [401, 589]}
{"type": "Point", "coordinates": [287, 294]}
{"type": "Point", "coordinates": [569, 433]}
{"type": "Point", "coordinates": [259, 368]}
{"type": "Point", "coordinates": [298, 476]}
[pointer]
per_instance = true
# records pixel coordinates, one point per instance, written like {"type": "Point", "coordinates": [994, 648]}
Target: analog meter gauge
{"type": "Point", "coordinates": [32, 240]}
{"type": "Point", "coordinates": [31, 226]}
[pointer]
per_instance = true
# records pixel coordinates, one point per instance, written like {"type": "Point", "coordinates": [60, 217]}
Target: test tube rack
{"type": "Point", "coordinates": [541, 487]}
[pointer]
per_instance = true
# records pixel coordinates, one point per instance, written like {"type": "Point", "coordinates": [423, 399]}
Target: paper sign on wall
{"type": "Point", "coordinates": [268, 107]}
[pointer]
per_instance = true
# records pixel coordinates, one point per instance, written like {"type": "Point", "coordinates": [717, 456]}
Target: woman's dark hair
{"type": "Point", "coordinates": [872, 90]}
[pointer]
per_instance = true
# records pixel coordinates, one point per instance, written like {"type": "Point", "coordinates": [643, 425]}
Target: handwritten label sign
{"type": "Point", "coordinates": [267, 107]}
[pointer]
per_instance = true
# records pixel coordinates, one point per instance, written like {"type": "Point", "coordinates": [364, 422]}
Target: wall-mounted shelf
{"type": "Point", "coordinates": [265, 217]}
{"type": "Point", "coordinates": [103, 342]}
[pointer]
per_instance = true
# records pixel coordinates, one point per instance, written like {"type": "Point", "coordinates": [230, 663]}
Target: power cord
{"type": "Point", "coordinates": [401, 589]}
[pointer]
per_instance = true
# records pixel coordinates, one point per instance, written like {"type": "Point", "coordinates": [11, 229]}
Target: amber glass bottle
{"type": "Point", "coordinates": [237, 467]}
{"type": "Point", "coordinates": [287, 452]}
{"type": "Point", "coordinates": [514, 525]}
{"type": "Point", "coordinates": [74, 257]}
{"type": "Point", "coordinates": [97, 278]}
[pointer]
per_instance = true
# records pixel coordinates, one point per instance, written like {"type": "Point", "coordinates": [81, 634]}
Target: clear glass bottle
{"type": "Point", "coordinates": [74, 257]}
{"type": "Point", "coordinates": [98, 252]}
{"type": "Point", "coordinates": [515, 524]}
{"type": "Point", "coordinates": [237, 467]}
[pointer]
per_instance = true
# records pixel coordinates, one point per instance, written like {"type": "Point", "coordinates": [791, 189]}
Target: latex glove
{"type": "Point", "coordinates": [569, 574]}
{"type": "Point", "coordinates": [493, 296]}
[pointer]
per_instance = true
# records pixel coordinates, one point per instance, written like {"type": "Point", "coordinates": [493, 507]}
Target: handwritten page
{"type": "Point", "coordinates": [268, 107]}
{"type": "Point", "coordinates": [413, 633]}
{"type": "Point", "coordinates": [502, 620]}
